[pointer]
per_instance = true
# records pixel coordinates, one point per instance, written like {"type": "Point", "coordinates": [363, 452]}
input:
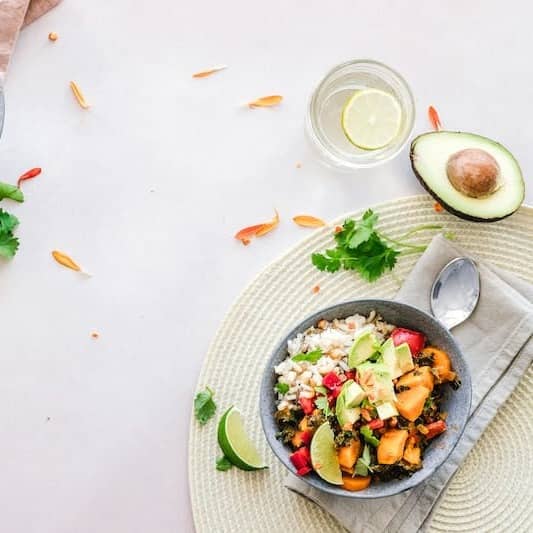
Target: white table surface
{"type": "Point", "coordinates": [146, 190]}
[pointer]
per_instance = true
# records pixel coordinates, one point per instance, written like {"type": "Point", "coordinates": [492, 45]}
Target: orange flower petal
{"type": "Point", "coordinates": [266, 101]}
{"type": "Point", "coordinates": [209, 71]}
{"type": "Point", "coordinates": [246, 234]}
{"type": "Point", "coordinates": [65, 260]}
{"type": "Point", "coordinates": [434, 118]}
{"type": "Point", "coordinates": [79, 95]}
{"type": "Point", "coordinates": [308, 221]}
{"type": "Point", "coordinates": [269, 226]}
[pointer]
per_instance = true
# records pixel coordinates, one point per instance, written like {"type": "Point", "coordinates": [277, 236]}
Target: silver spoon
{"type": "Point", "coordinates": [455, 292]}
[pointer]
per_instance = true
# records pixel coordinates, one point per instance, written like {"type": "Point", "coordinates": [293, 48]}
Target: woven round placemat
{"type": "Point", "coordinates": [492, 491]}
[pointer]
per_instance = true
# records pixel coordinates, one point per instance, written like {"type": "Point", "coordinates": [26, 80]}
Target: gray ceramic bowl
{"type": "Point", "coordinates": [455, 403]}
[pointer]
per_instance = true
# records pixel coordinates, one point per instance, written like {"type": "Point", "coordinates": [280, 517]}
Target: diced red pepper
{"type": "Point", "coordinates": [303, 471]}
{"type": "Point", "coordinates": [435, 428]}
{"type": "Point", "coordinates": [350, 374]}
{"type": "Point", "coordinates": [414, 339]}
{"type": "Point", "coordinates": [377, 423]}
{"type": "Point", "coordinates": [331, 380]}
{"type": "Point", "coordinates": [307, 404]}
{"type": "Point", "coordinates": [306, 437]}
{"type": "Point", "coordinates": [301, 458]}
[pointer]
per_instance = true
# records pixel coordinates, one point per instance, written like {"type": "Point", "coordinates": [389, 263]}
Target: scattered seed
{"type": "Point", "coordinates": [95, 335]}
{"type": "Point", "coordinates": [438, 208]}
{"type": "Point", "coordinates": [338, 229]}
{"type": "Point", "coordinates": [298, 165]}
{"type": "Point", "coordinates": [266, 101]}
{"type": "Point", "coordinates": [316, 289]}
{"type": "Point", "coordinates": [209, 71]}
{"type": "Point", "coordinates": [53, 36]}
{"type": "Point", "coordinates": [79, 95]}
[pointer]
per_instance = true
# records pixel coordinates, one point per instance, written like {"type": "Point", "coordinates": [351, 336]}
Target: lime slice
{"type": "Point", "coordinates": [235, 443]}
{"type": "Point", "coordinates": [324, 455]}
{"type": "Point", "coordinates": [371, 118]}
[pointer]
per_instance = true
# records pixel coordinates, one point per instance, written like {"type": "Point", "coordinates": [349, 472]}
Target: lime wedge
{"type": "Point", "coordinates": [235, 443]}
{"type": "Point", "coordinates": [324, 455]}
{"type": "Point", "coordinates": [371, 118]}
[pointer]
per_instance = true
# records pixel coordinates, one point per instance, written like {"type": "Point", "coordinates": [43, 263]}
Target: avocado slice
{"type": "Point", "coordinates": [364, 347]}
{"type": "Point", "coordinates": [376, 380]}
{"type": "Point", "coordinates": [404, 358]}
{"type": "Point", "coordinates": [471, 176]}
{"type": "Point", "coordinates": [346, 416]}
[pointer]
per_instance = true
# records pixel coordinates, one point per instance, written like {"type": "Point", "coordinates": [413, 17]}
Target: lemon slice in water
{"type": "Point", "coordinates": [371, 118]}
{"type": "Point", "coordinates": [324, 455]}
{"type": "Point", "coordinates": [235, 443]}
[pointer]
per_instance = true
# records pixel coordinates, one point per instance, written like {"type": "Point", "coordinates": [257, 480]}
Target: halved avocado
{"type": "Point", "coordinates": [471, 176]}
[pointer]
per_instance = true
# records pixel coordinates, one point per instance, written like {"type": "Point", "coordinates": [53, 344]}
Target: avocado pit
{"type": "Point", "coordinates": [473, 172]}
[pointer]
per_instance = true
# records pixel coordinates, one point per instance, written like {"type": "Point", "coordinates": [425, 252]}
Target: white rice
{"type": "Point", "coordinates": [335, 340]}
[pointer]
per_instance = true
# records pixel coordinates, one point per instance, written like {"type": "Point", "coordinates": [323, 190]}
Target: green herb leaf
{"type": "Point", "coordinates": [204, 406]}
{"type": "Point", "coordinates": [8, 222]}
{"type": "Point", "coordinates": [368, 436]}
{"type": "Point", "coordinates": [321, 390]}
{"type": "Point", "coordinates": [311, 357]}
{"type": "Point", "coordinates": [11, 191]}
{"type": "Point", "coordinates": [362, 466]}
{"type": "Point", "coordinates": [361, 247]}
{"type": "Point", "coordinates": [322, 403]}
{"type": "Point", "coordinates": [223, 464]}
{"type": "Point", "coordinates": [282, 388]}
{"type": "Point", "coordinates": [8, 245]}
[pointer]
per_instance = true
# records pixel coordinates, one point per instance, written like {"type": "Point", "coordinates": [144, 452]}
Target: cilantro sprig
{"type": "Point", "coordinates": [8, 243]}
{"type": "Point", "coordinates": [204, 406]}
{"type": "Point", "coordinates": [368, 436]}
{"type": "Point", "coordinates": [362, 248]}
{"type": "Point", "coordinates": [363, 465]}
{"type": "Point", "coordinates": [312, 357]}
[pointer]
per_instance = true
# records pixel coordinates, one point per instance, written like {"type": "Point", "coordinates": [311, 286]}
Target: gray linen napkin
{"type": "Point", "coordinates": [497, 344]}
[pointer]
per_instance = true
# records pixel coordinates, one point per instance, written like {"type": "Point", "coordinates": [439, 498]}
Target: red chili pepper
{"type": "Point", "coordinates": [301, 458]}
{"type": "Point", "coordinates": [435, 428]}
{"type": "Point", "coordinates": [414, 339]}
{"type": "Point", "coordinates": [307, 404]}
{"type": "Point", "coordinates": [32, 173]}
{"type": "Point", "coordinates": [331, 380]}
{"type": "Point", "coordinates": [377, 423]}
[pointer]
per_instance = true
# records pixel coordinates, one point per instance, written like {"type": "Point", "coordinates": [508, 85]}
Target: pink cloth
{"type": "Point", "coordinates": [14, 14]}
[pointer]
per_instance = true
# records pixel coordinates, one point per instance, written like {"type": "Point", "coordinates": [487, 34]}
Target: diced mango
{"type": "Point", "coordinates": [412, 451]}
{"type": "Point", "coordinates": [420, 376]}
{"type": "Point", "coordinates": [391, 445]}
{"type": "Point", "coordinates": [356, 483]}
{"type": "Point", "coordinates": [348, 455]}
{"type": "Point", "coordinates": [441, 363]}
{"type": "Point", "coordinates": [410, 403]}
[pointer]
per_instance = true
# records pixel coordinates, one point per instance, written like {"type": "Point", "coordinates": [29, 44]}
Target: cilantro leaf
{"type": "Point", "coordinates": [326, 262]}
{"type": "Point", "coordinates": [364, 229]}
{"type": "Point", "coordinates": [223, 464]}
{"type": "Point", "coordinates": [322, 403]}
{"type": "Point", "coordinates": [204, 406]}
{"type": "Point", "coordinates": [282, 388]}
{"type": "Point", "coordinates": [312, 357]}
{"type": "Point", "coordinates": [321, 390]}
{"type": "Point", "coordinates": [11, 191]}
{"type": "Point", "coordinates": [8, 222]}
{"type": "Point", "coordinates": [368, 436]}
{"type": "Point", "coordinates": [363, 463]}
{"type": "Point", "coordinates": [8, 245]}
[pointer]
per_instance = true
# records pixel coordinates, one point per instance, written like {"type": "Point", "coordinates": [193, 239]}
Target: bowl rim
{"type": "Point", "coordinates": [322, 485]}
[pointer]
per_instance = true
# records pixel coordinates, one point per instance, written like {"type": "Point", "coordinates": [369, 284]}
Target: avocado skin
{"type": "Point", "coordinates": [446, 206]}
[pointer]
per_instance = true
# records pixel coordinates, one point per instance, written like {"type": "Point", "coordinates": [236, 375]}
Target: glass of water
{"type": "Point", "coordinates": [325, 108]}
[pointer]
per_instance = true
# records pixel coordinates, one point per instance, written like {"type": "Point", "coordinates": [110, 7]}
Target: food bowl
{"type": "Point", "coordinates": [455, 403]}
